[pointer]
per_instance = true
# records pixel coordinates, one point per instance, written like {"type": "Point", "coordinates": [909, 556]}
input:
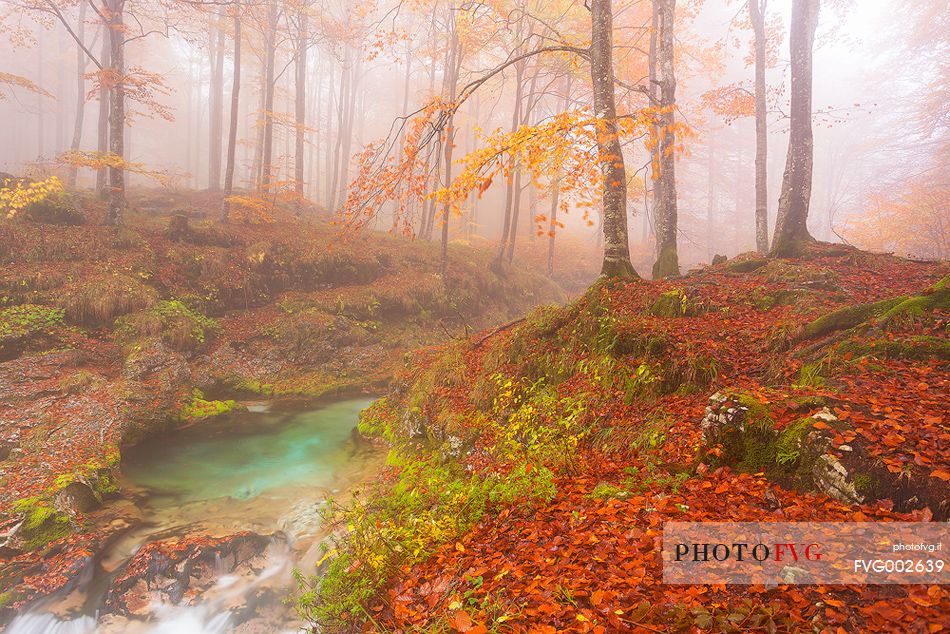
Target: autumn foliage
{"type": "Point", "coordinates": [534, 465]}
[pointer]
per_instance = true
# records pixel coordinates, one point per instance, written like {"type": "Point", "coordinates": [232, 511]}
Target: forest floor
{"type": "Point", "coordinates": [109, 335]}
{"type": "Point", "coordinates": [533, 467]}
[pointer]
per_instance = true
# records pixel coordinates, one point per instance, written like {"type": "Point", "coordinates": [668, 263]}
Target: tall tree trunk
{"type": "Point", "coordinates": [347, 130]}
{"type": "Point", "coordinates": [526, 111]}
{"type": "Point", "coordinates": [791, 229]}
{"type": "Point", "coordinates": [300, 103]}
{"type": "Point", "coordinates": [711, 198]}
{"type": "Point", "coordinates": [81, 63]}
{"type": "Point", "coordinates": [406, 88]}
{"type": "Point", "coordinates": [316, 109]}
{"type": "Point", "coordinates": [216, 124]}
{"type": "Point", "coordinates": [452, 65]}
{"type": "Point", "coordinates": [117, 111]}
{"type": "Point", "coordinates": [667, 261]}
{"type": "Point", "coordinates": [757, 15]}
{"type": "Point", "coordinates": [342, 103]}
{"type": "Point", "coordinates": [105, 99]}
{"type": "Point", "coordinates": [331, 105]}
{"type": "Point", "coordinates": [233, 124]}
{"type": "Point", "coordinates": [556, 187]}
{"type": "Point", "coordinates": [616, 248]}
{"type": "Point", "coordinates": [512, 183]}
{"type": "Point", "coordinates": [40, 114]}
{"type": "Point", "coordinates": [267, 148]}
{"type": "Point", "coordinates": [255, 175]}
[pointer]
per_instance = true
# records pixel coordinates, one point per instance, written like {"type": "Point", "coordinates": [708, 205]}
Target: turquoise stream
{"type": "Point", "coordinates": [262, 470]}
{"type": "Point", "coordinates": [248, 455]}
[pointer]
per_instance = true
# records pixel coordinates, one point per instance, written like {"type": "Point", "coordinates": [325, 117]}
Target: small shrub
{"type": "Point", "coordinates": [55, 209]}
{"type": "Point", "coordinates": [27, 320]}
{"type": "Point", "coordinates": [103, 298]}
{"type": "Point", "coordinates": [178, 326]}
{"type": "Point", "coordinates": [21, 326]}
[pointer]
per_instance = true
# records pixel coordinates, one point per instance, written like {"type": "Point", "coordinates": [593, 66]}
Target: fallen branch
{"type": "Point", "coordinates": [502, 328]}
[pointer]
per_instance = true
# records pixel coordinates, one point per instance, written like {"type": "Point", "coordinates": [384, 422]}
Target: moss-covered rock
{"type": "Point", "coordinates": [848, 317]}
{"type": "Point", "coordinates": [916, 347]}
{"type": "Point", "coordinates": [674, 303]}
{"type": "Point", "coordinates": [746, 265]}
{"type": "Point", "coordinates": [42, 523]}
{"type": "Point", "coordinates": [199, 408]}
{"type": "Point", "coordinates": [938, 298]}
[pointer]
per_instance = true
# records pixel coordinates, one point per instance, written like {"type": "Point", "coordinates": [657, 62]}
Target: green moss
{"type": "Point", "coordinates": [758, 453]}
{"type": "Point", "coordinates": [848, 317]}
{"type": "Point", "coordinates": [373, 421]}
{"type": "Point", "coordinates": [746, 266]}
{"type": "Point", "coordinates": [918, 306]}
{"type": "Point", "coordinates": [674, 303]}
{"type": "Point", "coordinates": [42, 523]}
{"type": "Point", "coordinates": [606, 491]}
{"type": "Point", "coordinates": [250, 386]}
{"type": "Point", "coordinates": [667, 263]}
{"type": "Point", "coordinates": [810, 376]}
{"type": "Point", "coordinates": [790, 443]}
{"type": "Point", "coordinates": [917, 347]}
{"type": "Point", "coordinates": [26, 320]}
{"type": "Point", "coordinates": [763, 300]}
{"type": "Point", "coordinates": [175, 323]}
{"type": "Point", "coordinates": [863, 483]}
{"type": "Point", "coordinates": [757, 413]}
{"type": "Point", "coordinates": [9, 597]}
{"type": "Point", "coordinates": [198, 408]}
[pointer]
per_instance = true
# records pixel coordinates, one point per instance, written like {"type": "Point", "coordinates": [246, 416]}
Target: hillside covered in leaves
{"type": "Point", "coordinates": [109, 335]}
{"type": "Point", "coordinates": [532, 467]}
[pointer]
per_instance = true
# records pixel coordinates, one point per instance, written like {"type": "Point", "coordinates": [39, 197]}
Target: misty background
{"type": "Point", "coordinates": [880, 179]}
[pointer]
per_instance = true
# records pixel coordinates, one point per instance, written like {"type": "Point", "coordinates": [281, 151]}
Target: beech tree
{"type": "Point", "coordinates": [667, 259]}
{"type": "Point", "coordinates": [235, 113]}
{"type": "Point", "coordinates": [791, 229]}
{"type": "Point", "coordinates": [381, 174]}
{"type": "Point", "coordinates": [757, 17]}
{"type": "Point", "coordinates": [616, 247]}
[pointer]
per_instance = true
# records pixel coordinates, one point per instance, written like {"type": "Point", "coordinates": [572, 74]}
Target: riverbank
{"type": "Point", "coordinates": [534, 468]}
{"type": "Point", "coordinates": [109, 336]}
{"type": "Point", "coordinates": [227, 511]}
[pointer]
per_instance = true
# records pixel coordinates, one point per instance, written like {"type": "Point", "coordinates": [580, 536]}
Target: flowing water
{"type": "Point", "coordinates": [263, 471]}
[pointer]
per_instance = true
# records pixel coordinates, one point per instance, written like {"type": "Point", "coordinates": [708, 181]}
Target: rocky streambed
{"type": "Point", "coordinates": [215, 519]}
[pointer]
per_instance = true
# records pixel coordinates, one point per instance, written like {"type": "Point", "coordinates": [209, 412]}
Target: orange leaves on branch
{"type": "Point", "coordinates": [386, 173]}
{"type": "Point", "coordinates": [730, 102]}
{"type": "Point", "coordinates": [141, 86]}
{"type": "Point", "coordinates": [9, 80]}
{"type": "Point", "coordinates": [100, 160]}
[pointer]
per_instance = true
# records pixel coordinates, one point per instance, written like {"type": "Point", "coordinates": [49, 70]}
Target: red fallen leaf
{"type": "Point", "coordinates": [596, 598]}
{"type": "Point", "coordinates": [461, 621]}
{"type": "Point", "coordinates": [941, 473]}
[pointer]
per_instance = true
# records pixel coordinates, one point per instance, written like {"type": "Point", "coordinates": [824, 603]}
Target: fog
{"type": "Point", "coordinates": [880, 107]}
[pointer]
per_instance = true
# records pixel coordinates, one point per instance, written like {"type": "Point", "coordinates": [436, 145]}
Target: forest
{"type": "Point", "coordinates": [509, 316]}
